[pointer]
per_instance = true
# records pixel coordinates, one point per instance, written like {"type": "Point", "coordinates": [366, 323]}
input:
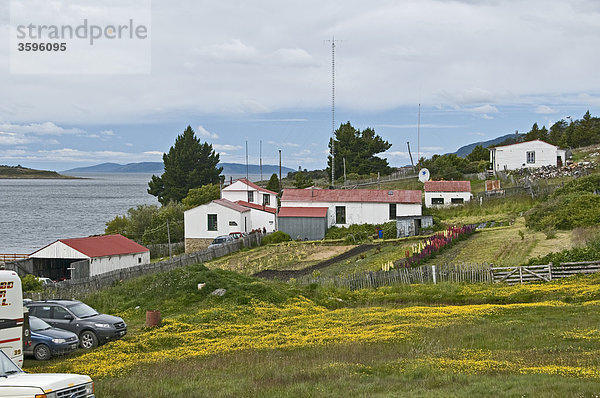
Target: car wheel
{"type": "Point", "coordinates": [88, 340]}
{"type": "Point", "coordinates": [41, 352]}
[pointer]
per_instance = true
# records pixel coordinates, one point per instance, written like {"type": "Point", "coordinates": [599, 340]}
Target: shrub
{"type": "Point", "coordinates": [30, 283]}
{"type": "Point", "coordinates": [361, 232]}
{"type": "Point", "coordinates": [567, 211]}
{"type": "Point", "coordinates": [590, 252]}
{"type": "Point", "coordinates": [276, 237]}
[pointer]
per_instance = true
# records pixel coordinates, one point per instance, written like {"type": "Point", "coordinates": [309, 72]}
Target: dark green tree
{"type": "Point", "coordinates": [273, 184]}
{"type": "Point", "coordinates": [301, 180]}
{"type": "Point", "coordinates": [478, 153]}
{"type": "Point", "coordinates": [557, 132]}
{"type": "Point", "coordinates": [359, 149]}
{"type": "Point", "coordinates": [189, 164]}
{"type": "Point", "coordinates": [157, 230]}
{"type": "Point", "coordinates": [202, 195]}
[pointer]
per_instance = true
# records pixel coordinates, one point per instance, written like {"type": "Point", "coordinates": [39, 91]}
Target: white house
{"type": "Point", "coordinates": [249, 192]}
{"type": "Point", "coordinates": [262, 216]}
{"type": "Point", "coordinates": [89, 256]}
{"type": "Point", "coordinates": [356, 206]}
{"type": "Point", "coordinates": [219, 217]}
{"type": "Point", "coordinates": [530, 154]}
{"type": "Point", "coordinates": [444, 193]}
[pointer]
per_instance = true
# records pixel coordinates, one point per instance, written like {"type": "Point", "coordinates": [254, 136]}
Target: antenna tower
{"type": "Point", "coordinates": [333, 41]}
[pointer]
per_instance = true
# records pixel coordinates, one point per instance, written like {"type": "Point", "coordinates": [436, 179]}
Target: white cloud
{"type": "Point", "coordinates": [432, 148]}
{"type": "Point", "coordinates": [46, 128]}
{"type": "Point", "coordinates": [414, 126]}
{"type": "Point", "coordinates": [13, 139]}
{"type": "Point", "coordinates": [108, 133]}
{"type": "Point", "coordinates": [487, 117]}
{"type": "Point", "coordinates": [157, 153]}
{"type": "Point", "coordinates": [294, 57]}
{"type": "Point", "coordinates": [202, 132]}
{"type": "Point", "coordinates": [70, 155]}
{"type": "Point", "coordinates": [226, 147]}
{"type": "Point", "coordinates": [233, 50]}
{"type": "Point", "coordinates": [544, 110]}
{"type": "Point", "coordinates": [484, 109]}
{"type": "Point", "coordinates": [283, 144]}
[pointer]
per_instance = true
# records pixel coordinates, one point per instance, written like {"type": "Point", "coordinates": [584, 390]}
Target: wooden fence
{"type": "Point", "coordinates": [82, 287]}
{"type": "Point", "coordinates": [471, 273]}
{"type": "Point", "coordinates": [4, 257]}
{"type": "Point", "coordinates": [162, 250]}
{"type": "Point", "coordinates": [543, 273]}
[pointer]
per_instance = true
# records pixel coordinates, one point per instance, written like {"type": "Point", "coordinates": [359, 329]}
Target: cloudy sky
{"type": "Point", "coordinates": [250, 71]}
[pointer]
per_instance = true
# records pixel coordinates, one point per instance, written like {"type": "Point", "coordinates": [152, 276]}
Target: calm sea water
{"type": "Point", "coordinates": [34, 213]}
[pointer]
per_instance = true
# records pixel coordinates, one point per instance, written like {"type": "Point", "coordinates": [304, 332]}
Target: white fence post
{"type": "Point", "coordinates": [433, 273]}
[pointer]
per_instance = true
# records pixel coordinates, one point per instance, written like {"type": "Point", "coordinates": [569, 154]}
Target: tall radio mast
{"type": "Point", "coordinates": [333, 41]}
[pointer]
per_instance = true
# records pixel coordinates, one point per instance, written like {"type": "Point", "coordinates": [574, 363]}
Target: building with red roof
{"type": "Point", "coordinates": [219, 217]}
{"type": "Point", "coordinates": [344, 207]}
{"type": "Point", "coordinates": [84, 257]}
{"type": "Point", "coordinates": [447, 193]}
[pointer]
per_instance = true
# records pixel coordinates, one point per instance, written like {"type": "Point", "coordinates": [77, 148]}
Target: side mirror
{"type": "Point", "coordinates": [68, 317]}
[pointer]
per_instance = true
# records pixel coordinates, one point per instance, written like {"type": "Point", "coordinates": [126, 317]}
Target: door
{"type": "Point", "coordinates": [559, 161]}
{"type": "Point", "coordinates": [61, 318]}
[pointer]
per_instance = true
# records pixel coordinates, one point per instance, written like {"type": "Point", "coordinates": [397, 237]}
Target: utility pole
{"type": "Point", "coordinates": [419, 137]}
{"type": "Point", "coordinates": [169, 237]}
{"type": "Point", "coordinates": [280, 183]}
{"type": "Point", "coordinates": [247, 160]}
{"type": "Point", "coordinates": [344, 171]}
{"type": "Point", "coordinates": [260, 155]}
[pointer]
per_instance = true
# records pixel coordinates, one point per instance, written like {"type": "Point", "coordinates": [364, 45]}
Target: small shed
{"type": "Point", "coordinates": [84, 257]}
{"type": "Point", "coordinates": [303, 223]}
{"type": "Point", "coordinates": [412, 225]}
{"type": "Point", "coordinates": [444, 193]}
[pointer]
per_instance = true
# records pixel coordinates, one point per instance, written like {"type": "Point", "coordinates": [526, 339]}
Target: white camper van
{"type": "Point", "coordinates": [14, 382]}
{"type": "Point", "coordinates": [11, 316]}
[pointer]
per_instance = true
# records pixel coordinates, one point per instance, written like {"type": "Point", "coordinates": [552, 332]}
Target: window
{"type": "Point", "coordinates": [531, 157]}
{"type": "Point", "coordinates": [232, 224]}
{"type": "Point", "coordinates": [392, 211]}
{"type": "Point", "coordinates": [266, 199]}
{"type": "Point", "coordinates": [59, 313]}
{"type": "Point", "coordinates": [457, 201]}
{"type": "Point", "coordinates": [41, 311]}
{"type": "Point", "coordinates": [340, 214]}
{"type": "Point", "coordinates": [212, 222]}
{"type": "Point", "coordinates": [250, 196]}
{"type": "Point", "coordinates": [437, 201]}
{"type": "Point", "coordinates": [139, 260]}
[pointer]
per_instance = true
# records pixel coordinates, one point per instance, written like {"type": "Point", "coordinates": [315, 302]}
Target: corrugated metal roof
{"type": "Point", "coordinates": [231, 205]}
{"type": "Point", "coordinates": [351, 195]}
{"type": "Point", "coordinates": [106, 245]}
{"type": "Point", "coordinates": [315, 212]}
{"type": "Point", "coordinates": [447, 186]}
{"type": "Point", "coordinates": [256, 206]}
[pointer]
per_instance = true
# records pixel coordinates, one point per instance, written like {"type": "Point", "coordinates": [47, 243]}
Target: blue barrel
{"type": "Point", "coordinates": [380, 232]}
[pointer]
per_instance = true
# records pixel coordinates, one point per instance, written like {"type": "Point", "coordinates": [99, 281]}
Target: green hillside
{"type": "Point", "coordinates": [24, 172]}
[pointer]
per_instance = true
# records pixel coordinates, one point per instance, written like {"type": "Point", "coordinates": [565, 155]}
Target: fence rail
{"type": "Point", "coordinates": [4, 257]}
{"type": "Point", "coordinates": [471, 273]}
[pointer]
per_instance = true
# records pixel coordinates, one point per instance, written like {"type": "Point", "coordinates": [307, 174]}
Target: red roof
{"type": "Point", "coordinates": [351, 195]}
{"type": "Point", "coordinates": [253, 185]}
{"type": "Point", "coordinates": [106, 245]}
{"type": "Point", "coordinates": [447, 186]}
{"type": "Point", "coordinates": [231, 205]}
{"type": "Point", "coordinates": [316, 212]}
{"type": "Point", "coordinates": [257, 206]}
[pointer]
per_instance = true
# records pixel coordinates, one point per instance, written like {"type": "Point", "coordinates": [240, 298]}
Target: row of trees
{"type": "Point", "coordinates": [572, 134]}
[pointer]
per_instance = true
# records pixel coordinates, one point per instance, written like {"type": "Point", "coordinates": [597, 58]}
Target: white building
{"type": "Point", "coordinates": [219, 217]}
{"type": "Point", "coordinates": [103, 254]}
{"type": "Point", "coordinates": [249, 192]}
{"type": "Point", "coordinates": [445, 193]}
{"type": "Point", "coordinates": [530, 154]}
{"type": "Point", "coordinates": [262, 216]}
{"type": "Point", "coordinates": [356, 206]}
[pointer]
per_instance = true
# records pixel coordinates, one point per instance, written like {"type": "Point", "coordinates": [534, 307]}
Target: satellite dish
{"type": "Point", "coordinates": [423, 175]}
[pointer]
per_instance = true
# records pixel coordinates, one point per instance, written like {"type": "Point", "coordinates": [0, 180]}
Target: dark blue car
{"type": "Point", "coordinates": [47, 341]}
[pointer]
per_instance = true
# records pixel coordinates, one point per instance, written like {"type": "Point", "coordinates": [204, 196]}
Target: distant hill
{"type": "Point", "coordinates": [467, 149]}
{"type": "Point", "coordinates": [157, 168]}
{"type": "Point", "coordinates": [24, 172]}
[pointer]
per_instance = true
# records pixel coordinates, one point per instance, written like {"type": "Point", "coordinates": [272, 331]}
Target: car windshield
{"type": "Point", "coordinates": [218, 240]}
{"type": "Point", "coordinates": [37, 324]}
{"type": "Point", "coordinates": [82, 310]}
{"type": "Point", "coordinates": [7, 367]}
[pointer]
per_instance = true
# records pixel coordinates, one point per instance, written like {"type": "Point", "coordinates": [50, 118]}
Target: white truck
{"type": "Point", "coordinates": [14, 382]}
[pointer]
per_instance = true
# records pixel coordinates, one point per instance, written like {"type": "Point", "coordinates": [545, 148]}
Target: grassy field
{"type": "Point", "coordinates": [279, 340]}
{"type": "Point", "coordinates": [504, 246]}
